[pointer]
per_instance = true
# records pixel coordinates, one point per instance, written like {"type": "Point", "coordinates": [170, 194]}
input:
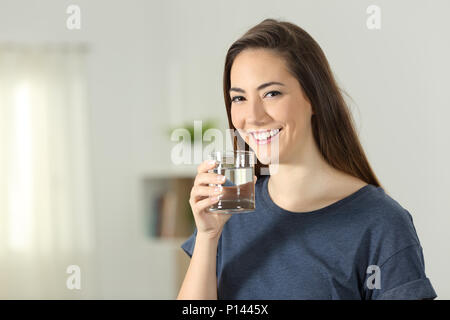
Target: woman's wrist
{"type": "Point", "coordinates": [208, 236]}
{"type": "Point", "coordinates": [206, 245]}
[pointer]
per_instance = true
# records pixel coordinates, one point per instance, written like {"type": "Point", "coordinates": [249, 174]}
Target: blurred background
{"type": "Point", "coordinates": [91, 204]}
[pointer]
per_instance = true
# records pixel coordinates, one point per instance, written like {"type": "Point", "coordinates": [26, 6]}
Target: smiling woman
{"type": "Point", "coordinates": [322, 220]}
{"type": "Point", "coordinates": [297, 68]}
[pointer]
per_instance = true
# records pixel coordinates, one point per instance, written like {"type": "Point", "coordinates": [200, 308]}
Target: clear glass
{"type": "Point", "coordinates": [238, 193]}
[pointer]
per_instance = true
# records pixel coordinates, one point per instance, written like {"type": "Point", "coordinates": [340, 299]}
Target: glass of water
{"type": "Point", "coordinates": [238, 194]}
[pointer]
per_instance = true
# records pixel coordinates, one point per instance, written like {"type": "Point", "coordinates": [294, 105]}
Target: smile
{"type": "Point", "coordinates": [265, 136]}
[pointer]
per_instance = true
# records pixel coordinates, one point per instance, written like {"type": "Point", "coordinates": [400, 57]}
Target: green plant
{"type": "Point", "coordinates": [189, 126]}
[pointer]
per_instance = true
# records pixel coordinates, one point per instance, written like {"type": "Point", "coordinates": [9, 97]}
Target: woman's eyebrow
{"type": "Point", "coordinates": [260, 87]}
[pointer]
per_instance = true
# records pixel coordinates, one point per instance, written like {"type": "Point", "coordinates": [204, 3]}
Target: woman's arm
{"type": "Point", "coordinates": [200, 281]}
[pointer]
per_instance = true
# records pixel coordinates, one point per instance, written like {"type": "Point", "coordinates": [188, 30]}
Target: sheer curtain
{"type": "Point", "coordinates": [46, 221]}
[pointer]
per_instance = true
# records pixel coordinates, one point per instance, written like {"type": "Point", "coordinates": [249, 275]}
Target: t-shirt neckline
{"type": "Point", "coordinates": [330, 208]}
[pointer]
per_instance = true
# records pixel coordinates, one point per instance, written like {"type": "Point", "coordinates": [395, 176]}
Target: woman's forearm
{"type": "Point", "coordinates": [200, 281]}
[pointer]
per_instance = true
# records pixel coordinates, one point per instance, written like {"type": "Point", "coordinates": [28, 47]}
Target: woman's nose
{"type": "Point", "coordinates": [256, 111]}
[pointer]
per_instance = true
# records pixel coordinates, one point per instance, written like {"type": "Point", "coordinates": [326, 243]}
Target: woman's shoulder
{"type": "Point", "coordinates": [375, 202]}
{"type": "Point", "coordinates": [386, 219]}
{"type": "Point", "coordinates": [384, 207]}
{"type": "Point", "coordinates": [375, 210]}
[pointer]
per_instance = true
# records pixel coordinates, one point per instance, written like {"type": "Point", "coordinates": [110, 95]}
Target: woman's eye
{"type": "Point", "coordinates": [275, 93]}
{"type": "Point", "coordinates": [237, 97]}
{"type": "Point", "coordinates": [241, 98]}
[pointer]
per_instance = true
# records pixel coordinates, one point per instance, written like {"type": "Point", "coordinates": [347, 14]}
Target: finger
{"type": "Point", "coordinates": [201, 192]}
{"type": "Point", "coordinates": [204, 204]}
{"type": "Point", "coordinates": [206, 165]}
{"type": "Point", "coordinates": [209, 178]}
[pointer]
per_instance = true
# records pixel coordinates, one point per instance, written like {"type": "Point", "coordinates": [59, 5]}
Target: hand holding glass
{"type": "Point", "coordinates": [238, 193]}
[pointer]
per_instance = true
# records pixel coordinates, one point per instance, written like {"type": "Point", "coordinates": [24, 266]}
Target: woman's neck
{"type": "Point", "coordinates": [309, 182]}
{"type": "Point", "coordinates": [299, 183]}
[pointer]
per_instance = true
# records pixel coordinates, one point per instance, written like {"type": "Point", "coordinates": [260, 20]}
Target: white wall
{"type": "Point", "coordinates": [397, 76]}
{"type": "Point", "coordinates": [127, 102]}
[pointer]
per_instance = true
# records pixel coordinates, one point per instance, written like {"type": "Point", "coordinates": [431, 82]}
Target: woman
{"type": "Point", "coordinates": [323, 227]}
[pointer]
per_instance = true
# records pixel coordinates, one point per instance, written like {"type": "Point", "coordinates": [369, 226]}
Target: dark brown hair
{"type": "Point", "coordinates": [332, 123]}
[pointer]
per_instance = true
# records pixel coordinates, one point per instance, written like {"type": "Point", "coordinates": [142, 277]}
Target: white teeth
{"type": "Point", "coordinates": [274, 132]}
{"type": "Point", "coordinates": [266, 134]}
{"type": "Point", "coordinates": [263, 135]}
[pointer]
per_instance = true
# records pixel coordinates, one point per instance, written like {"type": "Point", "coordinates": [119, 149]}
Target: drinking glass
{"type": "Point", "coordinates": [238, 193]}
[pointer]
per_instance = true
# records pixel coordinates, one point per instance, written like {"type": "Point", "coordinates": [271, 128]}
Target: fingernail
{"type": "Point", "coordinates": [215, 198]}
{"type": "Point", "coordinates": [221, 178]}
{"type": "Point", "coordinates": [211, 162]}
{"type": "Point", "coordinates": [218, 189]}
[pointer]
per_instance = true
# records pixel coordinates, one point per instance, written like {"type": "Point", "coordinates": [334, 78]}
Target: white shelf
{"type": "Point", "coordinates": [166, 242]}
{"type": "Point", "coordinates": [171, 172]}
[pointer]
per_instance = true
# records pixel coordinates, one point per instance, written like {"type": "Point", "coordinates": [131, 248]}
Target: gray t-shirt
{"type": "Point", "coordinates": [364, 246]}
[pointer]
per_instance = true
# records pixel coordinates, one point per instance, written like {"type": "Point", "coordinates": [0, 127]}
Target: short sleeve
{"type": "Point", "coordinates": [402, 277]}
{"type": "Point", "coordinates": [188, 245]}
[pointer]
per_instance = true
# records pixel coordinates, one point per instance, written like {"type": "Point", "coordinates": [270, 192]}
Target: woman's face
{"type": "Point", "coordinates": [258, 105]}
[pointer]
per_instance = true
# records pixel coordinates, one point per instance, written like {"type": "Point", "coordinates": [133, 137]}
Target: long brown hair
{"type": "Point", "coordinates": [332, 123]}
